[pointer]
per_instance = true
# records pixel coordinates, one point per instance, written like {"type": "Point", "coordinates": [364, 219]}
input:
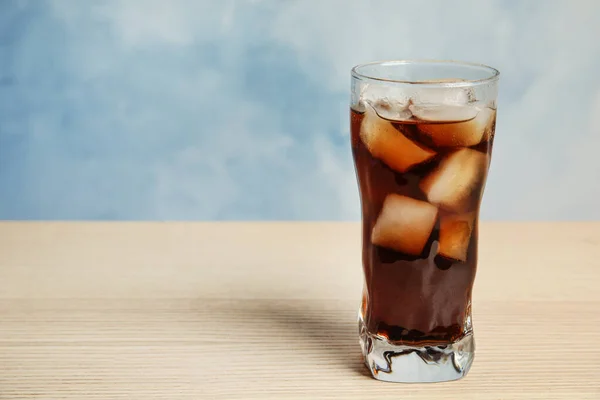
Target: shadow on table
{"type": "Point", "coordinates": [333, 330]}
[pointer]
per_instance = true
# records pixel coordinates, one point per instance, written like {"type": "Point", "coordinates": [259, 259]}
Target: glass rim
{"type": "Point", "coordinates": [494, 73]}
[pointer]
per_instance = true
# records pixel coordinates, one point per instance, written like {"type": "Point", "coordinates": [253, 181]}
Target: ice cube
{"type": "Point", "coordinates": [452, 183]}
{"type": "Point", "coordinates": [476, 126]}
{"type": "Point", "coordinates": [359, 106]}
{"type": "Point", "coordinates": [392, 110]}
{"type": "Point", "coordinates": [404, 224]}
{"type": "Point", "coordinates": [455, 235]}
{"type": "Point", "coordinates": [442, 95]}
{"type": "Point", "coordinates": [389, 144]}
{"type": "Point", "coordinates": [375, 94]}
{"type": "Point", "coordinates": [443, 112]}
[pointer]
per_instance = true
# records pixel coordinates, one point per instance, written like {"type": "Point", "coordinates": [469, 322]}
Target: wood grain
{"type": "Point", "coordinates": [268, 310]}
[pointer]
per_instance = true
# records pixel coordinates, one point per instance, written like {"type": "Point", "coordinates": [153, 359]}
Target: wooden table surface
{"type": "Point", "coordinates": [268, 310]}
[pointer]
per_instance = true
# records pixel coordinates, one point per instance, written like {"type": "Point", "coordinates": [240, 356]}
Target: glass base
{"type": "Point", "coordinates": [401, 363]}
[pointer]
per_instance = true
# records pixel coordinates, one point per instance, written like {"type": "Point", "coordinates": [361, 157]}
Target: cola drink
{"type": "Point", "coordinates": [421, 180]}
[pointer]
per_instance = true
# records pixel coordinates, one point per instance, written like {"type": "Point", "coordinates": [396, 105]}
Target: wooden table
{"type": "Point", "coordinates": [268, 310]}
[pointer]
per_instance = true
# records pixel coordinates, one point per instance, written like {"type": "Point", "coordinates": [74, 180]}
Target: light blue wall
{"type": "Point", "coordinates": [213, 110]}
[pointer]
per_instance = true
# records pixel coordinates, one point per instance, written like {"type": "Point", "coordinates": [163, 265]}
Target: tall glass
{"type": "Point", "coordinates": [422, 137]}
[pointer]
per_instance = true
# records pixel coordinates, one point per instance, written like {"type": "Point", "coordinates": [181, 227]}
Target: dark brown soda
{"type": "Point", "coordinates": [414, 300]}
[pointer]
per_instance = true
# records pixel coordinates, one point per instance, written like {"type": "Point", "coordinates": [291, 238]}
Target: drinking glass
{"type": "Point", "coordinates": [422, 134]}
